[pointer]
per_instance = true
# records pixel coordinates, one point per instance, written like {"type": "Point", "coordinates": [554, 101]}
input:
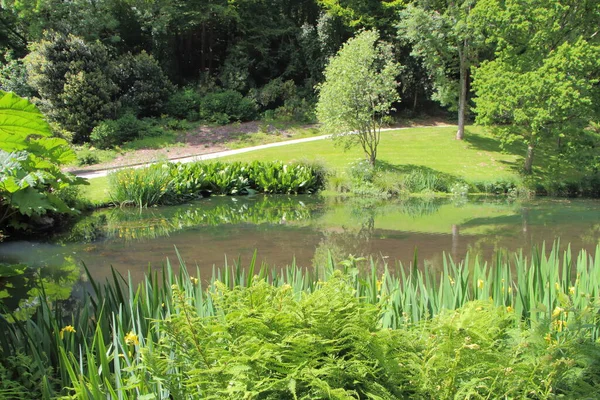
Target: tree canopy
{"type": "Point", "coordinates": [542, 82]}
{"type": "Point", "coordinates": [359, 91]}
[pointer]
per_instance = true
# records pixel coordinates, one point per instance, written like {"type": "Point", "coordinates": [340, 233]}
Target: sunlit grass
{"type": "Point", "coordinates": [478, 158]}
{"type": "Point", "coordinates": [97, 191]}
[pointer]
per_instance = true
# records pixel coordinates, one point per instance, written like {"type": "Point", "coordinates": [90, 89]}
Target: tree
{"type": "Point", "coordinates": [358, 93]}
{"type": "Point", "coordinates": [73, 80]}
{"type": "Point", "coordinates": [542, 85]}
{"type": "Point", "coordinates": [444, 37]}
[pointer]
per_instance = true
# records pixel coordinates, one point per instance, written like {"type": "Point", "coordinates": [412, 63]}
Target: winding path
{"type": "Point", "coordinates": [219, 154]}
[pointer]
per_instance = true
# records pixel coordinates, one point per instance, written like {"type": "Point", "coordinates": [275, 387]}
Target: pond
{"type": "Point", "coordinates": [304, 229]}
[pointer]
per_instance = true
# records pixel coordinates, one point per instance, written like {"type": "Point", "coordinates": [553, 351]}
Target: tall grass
{"type": "Point", "coordinates": [120, 341]}
{"type": "Point", "coordinates": [141, 187]}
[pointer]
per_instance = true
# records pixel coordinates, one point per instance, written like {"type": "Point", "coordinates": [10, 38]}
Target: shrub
{"type": "Point", "coordinates": [225, 107]}
{"type": "Point", "coordinates": [184, 104]}
{"type": "Point", "coordinates": [144, 87]}
{"type": "Point", "coordinates": [112, 133]}
{"type": "Point", "coordinates": [74, 81]}
{"type": "Point", "coordinates": [13, 76]}
{"type": "Point", "coordinates": [361, 171]}
{"type": "Point", "coordinates": [422, 180]}
{"type": "Point", "coordinates": [193, 180]}
{"type": "Point", "coordinates": [105, 135]}
{"type": "Point", "coordinates": [87, 156]}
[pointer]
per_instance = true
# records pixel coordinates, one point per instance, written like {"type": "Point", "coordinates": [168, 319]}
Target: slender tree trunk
{"type": "Point", "coordinates": [455, 237]}
{"type": "Point", "coordinates": [529, 159]}
{"type": "Point", "coordinates": [415, 99]}
{"type": "Point", "coordinates": [462, 94]}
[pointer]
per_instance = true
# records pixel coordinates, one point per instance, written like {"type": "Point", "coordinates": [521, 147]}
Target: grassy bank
{"type": "Point", "coordinates": [513, 328]}
{"type": "Point", "coordinates": [420, 155]}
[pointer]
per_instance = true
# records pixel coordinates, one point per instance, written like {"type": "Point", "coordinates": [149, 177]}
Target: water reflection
{"type": "Point", "coordinates": [306, 228]}
{"type": "Point", "coordinates": [21, 286]}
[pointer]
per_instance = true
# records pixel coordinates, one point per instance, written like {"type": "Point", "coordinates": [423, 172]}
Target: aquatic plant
{"type": "Point", "coordinates": [516, 327]}
{"type": "Point", "coordinates": [176, 183]}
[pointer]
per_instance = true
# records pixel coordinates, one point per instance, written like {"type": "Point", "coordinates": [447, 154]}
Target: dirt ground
{"type": "Point", "coordinates": [210, 139]}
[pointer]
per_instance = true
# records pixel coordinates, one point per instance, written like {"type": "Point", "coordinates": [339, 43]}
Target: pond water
{"type": "Point", "coordinates": [304, 228]}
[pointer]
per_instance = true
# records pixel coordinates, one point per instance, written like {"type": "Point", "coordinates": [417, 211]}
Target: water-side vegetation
{"type": "Point", "coordinates": [514, 326]}
{"type": "Point", "coordinates": [176, 183]}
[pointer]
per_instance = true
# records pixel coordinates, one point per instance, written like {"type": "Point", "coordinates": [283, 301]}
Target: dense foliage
{"type": "Point", "coordinates": [526, 328]}
{"type": "Point", "coordinates": [175, 183]}
{"type": "Point", "coordinates": [527, 66]}
{"type": "Point", "coordinates": [359, 92]}
{"type": "Point", "coordinates": [542, 84]}
{"type": "Point", "coordinates": [31, 182]}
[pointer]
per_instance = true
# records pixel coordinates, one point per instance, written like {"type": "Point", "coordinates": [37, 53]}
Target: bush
{"type": "Point", "coordinates": [225, 107]}
{"type": "Point", "coordinates": [13, 76]}
{"type": "Point", "coordinates": [74, 81]}
{"type": "Point", "coordinates": [361, 171]}
{"type": "Point", "coordinates": [141, 187]}
{"type": "Point", "coordinates": [112, 133]}
{"type": "Point", "coordinates": [87, 156]}
{"type": "Point", "coordinates": [144, 87]}
{"type": "Point", "coordinates": [184, 104]}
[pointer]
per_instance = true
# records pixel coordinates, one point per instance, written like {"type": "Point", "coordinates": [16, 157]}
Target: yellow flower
{"type": "Point", "coordinates": [68, 328]}
{"type": "Point", "coordinates": [131, 339]}
{"type": "Point", "coordinates": [509, 309]}
{"type": "Point", "coordinates": [194, 280]}
{"type": "Point", "coordinates": [285, 288]}
{"type": "Point", "coordinates": [480, 283]}
{"type": "Point", "coordinates": [559, 325]}
{"type": "Point", "coordinates": [557, 286]}
{"type": "Point", "coordinates": [572, 290]}
{"type": "Point", "coordinates": [557, 311]}
{"type": "Point", "coordinates": [451, 281]}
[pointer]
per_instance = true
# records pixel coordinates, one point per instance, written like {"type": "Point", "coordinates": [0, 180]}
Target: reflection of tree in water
{"type": "Point", "coordinates": [343, 242]}
{"type": "Point", "coordinates": [21, 286]}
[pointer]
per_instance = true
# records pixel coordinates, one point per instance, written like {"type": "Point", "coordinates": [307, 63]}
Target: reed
{"type": "Point", "coordinates": [115, 343]}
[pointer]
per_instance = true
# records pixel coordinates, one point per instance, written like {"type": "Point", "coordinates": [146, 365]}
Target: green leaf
{"type": "Point", "coordinates": [20, 117]}
{"type": "Point", "coordinates": [30, 202]}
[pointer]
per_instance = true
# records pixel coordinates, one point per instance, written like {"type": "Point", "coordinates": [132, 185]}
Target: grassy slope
{"type": "Point", "coordinates": [477, 158]}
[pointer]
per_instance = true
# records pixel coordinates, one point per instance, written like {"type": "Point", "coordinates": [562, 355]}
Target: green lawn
{"type": "Point", "coordinates": [97, 191]}
{"type": "Point", "coordinates": [477, 158]}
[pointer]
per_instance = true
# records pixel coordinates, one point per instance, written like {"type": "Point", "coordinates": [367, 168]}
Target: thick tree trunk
{"type": "Point", "coordinates": [462, 95]}
{"type": "Point", "coordinates": [527, 168]}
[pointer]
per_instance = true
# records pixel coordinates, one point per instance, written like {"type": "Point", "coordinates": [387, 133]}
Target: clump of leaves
{"type": "Point", "coordinates": [30, 176]}
{"type": "Point", "coordinates": [272, 343]}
